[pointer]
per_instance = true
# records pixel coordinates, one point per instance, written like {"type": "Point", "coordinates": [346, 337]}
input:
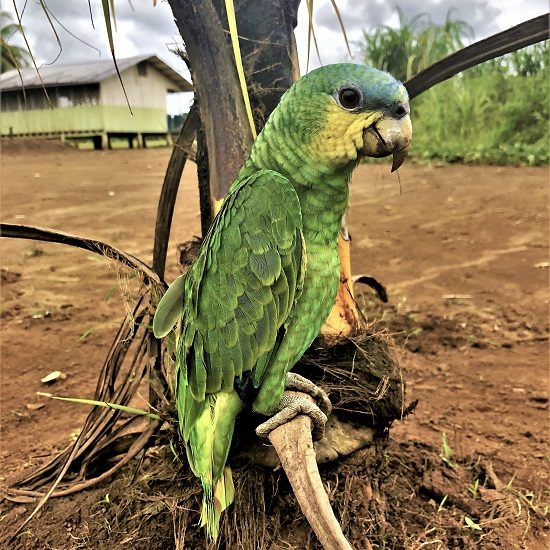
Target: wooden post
{"type": "Point", "coordinates": [98, 142]}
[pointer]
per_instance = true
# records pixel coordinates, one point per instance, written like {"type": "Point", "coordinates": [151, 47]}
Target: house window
{"type": "Point", "coordinates": [142, 68]}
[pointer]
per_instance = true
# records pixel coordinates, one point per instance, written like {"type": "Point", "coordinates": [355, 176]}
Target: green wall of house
{"type": "Point", "coordinates": [88, 119]}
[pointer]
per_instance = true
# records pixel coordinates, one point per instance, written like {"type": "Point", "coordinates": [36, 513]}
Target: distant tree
{"type": "Point", "coordinates": [12, 56]}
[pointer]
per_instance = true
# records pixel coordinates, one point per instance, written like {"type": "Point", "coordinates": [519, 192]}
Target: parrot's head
{"type": "Point", "coordinates": [345, 111]}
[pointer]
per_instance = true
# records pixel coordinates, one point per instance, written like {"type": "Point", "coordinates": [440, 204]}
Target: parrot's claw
{"type": "Point", "coordinates": [289, 407]}
{"type": "Point", "coordinates": [296, 382]}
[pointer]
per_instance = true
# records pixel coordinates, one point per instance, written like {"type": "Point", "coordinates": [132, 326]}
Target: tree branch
{"type": "Point", "coordinates": [522, 35]}
{"type": "Point", "coordinates": [294, 446]}
{"type": "Point", "coordinates": [266, 31]}
{"type": "Point", "coordinates": [220, 102]}
{"type": "Point", "coordinates": [136, 447]}
{"type": "Point", "coordinates": [169, 191]}
{"type": "Point", "coordinates": [17, 231]}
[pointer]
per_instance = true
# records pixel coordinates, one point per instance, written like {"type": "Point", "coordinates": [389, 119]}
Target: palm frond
{"type": "Point", "coordinates": [98, 247]}
{"type": "Point", "coordinates": [232, 21]}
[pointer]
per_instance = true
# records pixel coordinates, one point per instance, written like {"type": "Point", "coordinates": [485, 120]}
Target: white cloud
{"type": "Point", "coordinates": [485, 16]}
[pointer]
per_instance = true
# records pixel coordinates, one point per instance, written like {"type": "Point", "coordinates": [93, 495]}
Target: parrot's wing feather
{"type": "Point", "coordinates": [239, 292]}
{"type": "Point", "coordinates": [169, 309]}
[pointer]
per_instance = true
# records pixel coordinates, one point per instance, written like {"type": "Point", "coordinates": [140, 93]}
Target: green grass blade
{"type": "Point", "coordinates": [69, 32]}
{"type": "Point", "coordinates": [107, 17]}
{"type": "Point", "coordinates": [342, 27]}
{"type": "Point", "coordinates": [310, 34]}
{"type": "Point", "coordinates": [316, 45]}
{"type": "Point", "coordinates": [50, 22]}
{"type": "Point", "coordinates": [30, 53]}
{"type": "Point", "coordinates": [113, 15]}
{"type": "Point", "coordinates": [108, 13]}
{"type": "Point", "coordinates": [309, 30]}
{"type": "Point", "coordinates": [115, 406]}
{"type": "Point", "coordinates": [232, 21]}
{"type": "Point", "coordinates": [91, 14]}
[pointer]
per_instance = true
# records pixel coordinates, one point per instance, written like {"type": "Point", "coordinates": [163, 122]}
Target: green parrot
{"type": "Point", "coordinates": [268, 270]}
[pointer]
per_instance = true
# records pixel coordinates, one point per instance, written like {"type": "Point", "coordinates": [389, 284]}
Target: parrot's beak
{"type": "Point", "coordinates": [388, 136]}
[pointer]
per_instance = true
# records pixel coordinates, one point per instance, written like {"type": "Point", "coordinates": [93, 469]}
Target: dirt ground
{"type": "Point", "coordinates": [463, 252]}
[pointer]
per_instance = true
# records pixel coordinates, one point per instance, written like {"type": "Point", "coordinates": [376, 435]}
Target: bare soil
{"type": "Point", "coordinates": [463, 252]}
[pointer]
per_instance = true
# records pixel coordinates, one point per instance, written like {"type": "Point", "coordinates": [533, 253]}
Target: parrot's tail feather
{"type": "Point", "coordinates": [208, 442]}
{"type": "Point", "coordinates": [214, 501]}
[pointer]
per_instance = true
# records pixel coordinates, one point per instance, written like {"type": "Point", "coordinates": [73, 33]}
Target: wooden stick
{"type": "Point", "coordinates": [294, 445]}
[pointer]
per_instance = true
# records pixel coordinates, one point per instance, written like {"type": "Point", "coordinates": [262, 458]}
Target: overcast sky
{"type": "Point", "coordinates": [144, 28]}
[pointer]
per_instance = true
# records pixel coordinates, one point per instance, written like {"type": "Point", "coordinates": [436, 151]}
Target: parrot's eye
{"type": "Point", "coordinates": [349, 98]}
{"type": "Point", "coordinates": [400, 111]}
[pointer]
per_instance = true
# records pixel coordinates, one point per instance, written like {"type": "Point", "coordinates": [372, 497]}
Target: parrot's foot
{"type": "Point", "coordinates": [296, 382]}
{"type": "Point", "coordinates": [289, 407]}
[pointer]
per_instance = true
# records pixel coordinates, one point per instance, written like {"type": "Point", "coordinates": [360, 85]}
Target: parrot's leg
{"type": "Point", "coordinates": [289, 407]}
{"type": "Point", "coordinates": [297, 382]}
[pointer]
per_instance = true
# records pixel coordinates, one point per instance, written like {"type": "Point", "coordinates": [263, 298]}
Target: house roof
{"type": "Point", "coordinates": [89, 72]}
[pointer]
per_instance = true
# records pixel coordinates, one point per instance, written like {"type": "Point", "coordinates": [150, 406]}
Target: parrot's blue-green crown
{"type": "Point", "coordinates": [380, 89]}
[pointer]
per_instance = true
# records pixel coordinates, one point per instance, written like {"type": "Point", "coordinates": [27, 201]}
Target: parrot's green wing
{"type": "Point", "coordinates": [229, 314]}
{"type": "Point", "coordinates": [239, 292]}
{"type": "Point", "coordinates": [169, 309]}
